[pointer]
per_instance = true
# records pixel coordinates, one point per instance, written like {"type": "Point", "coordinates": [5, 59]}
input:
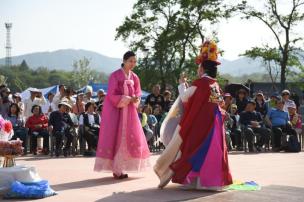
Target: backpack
{"type": "Point", "coordinates": [293, 144]}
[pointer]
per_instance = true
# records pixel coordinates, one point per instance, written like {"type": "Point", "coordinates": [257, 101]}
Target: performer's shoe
{"type": "Point", "coordinates": [120, 177]}
{"type": "Point", "coordinates": [165, 180]}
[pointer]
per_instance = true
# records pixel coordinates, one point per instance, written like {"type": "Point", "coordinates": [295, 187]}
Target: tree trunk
{"type": "Point", "coordinates": [284, 66]}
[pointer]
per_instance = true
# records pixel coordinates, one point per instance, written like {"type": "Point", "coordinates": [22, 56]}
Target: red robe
{"type": "Point", "coordinates": [196, 123]}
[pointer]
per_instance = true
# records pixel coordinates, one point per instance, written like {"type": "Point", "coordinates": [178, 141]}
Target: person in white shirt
{"type": "Point", "coordinates": [36, 99]}
{"type": "Point", "coordinates": [287, 101]}
{"type": "Point", "coordinates": [88, 94]}
{"type": "Point", "coordinates": [58, 97]}
{"type": "Point", "coordinates": [90, 121]}
{"type": "Point", "coordinates": [49, 106]}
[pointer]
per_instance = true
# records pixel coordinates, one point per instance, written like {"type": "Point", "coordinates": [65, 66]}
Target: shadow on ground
{"type": "Point", "coordinates": [88, 183]}
{"type": "Point", "coordinates": [170, 194]}
{"type": "Point", "coordinates": [273, 193]}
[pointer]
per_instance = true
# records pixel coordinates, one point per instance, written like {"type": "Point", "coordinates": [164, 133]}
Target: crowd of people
{"type": "Point", "coordinates": [259, 122]}
{"type": "Point", "coordinates": [59, 118]}
{"type": "Point", "coordinates": [255, 123]}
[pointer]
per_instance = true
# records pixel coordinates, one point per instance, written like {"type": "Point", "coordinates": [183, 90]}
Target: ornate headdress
{"type": "Point", "coordinates": [208, 52]}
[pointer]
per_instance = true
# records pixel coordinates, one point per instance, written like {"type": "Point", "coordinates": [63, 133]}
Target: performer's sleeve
{"type": "Point", "coordinates": [137, 90]}
{"type": "Point", "coordinates": [187, 93]}
{"type": "Point", "coordinates": [182, 88]}
{"type": "Point", "coordinates": [116, 99]}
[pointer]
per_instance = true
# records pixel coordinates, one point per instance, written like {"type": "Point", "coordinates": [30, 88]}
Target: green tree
{"type": "Point", "coordinates": [171, 30]}
{"type": "Point", "coordinates": [281, 25]}
{"type": "Point", "coordinates": [82, 72]}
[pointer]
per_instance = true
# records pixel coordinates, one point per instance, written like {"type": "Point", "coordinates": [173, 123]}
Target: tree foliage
{"type": "Point", "coordinates": [282, 25]}
{"type": "Point", "coordinates": [172, 31]}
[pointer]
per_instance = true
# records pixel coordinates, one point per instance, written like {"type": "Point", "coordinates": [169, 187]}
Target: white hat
{"type": "Point", "coordinates": [286, 91]}
{"type": "Point", "coordinates": [65, 102]}
{"type": "Point", "coordinates": [102, 91]}
{"type": "Point", "coordinates": [292, 105]}
{"type": "Point", "coordinates": [34, 90]}
{"type": "Point", "coordinates": [89, 89]}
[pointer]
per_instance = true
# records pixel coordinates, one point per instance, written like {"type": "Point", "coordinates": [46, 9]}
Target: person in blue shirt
{"type": "Point", "coordinates": [278, 120]}
{"type": "Point", "coordinates": [253, 124]}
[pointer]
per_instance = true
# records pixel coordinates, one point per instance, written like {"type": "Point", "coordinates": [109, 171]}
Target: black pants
{"type": "Point", "coordinates": [41, 133]}
{"type": "Point", "coordinates": [263, 138]}
{"type": "Point", "coordinates": [278, 132]}
{"type": "Point", "coordinates": [21, 133]}
{"type": "Point", "coordinates": [236, 138]}
{"type": "Point", "coordinates": [91, 136]}
{"type": "Point", "coordinates": [59, 140]}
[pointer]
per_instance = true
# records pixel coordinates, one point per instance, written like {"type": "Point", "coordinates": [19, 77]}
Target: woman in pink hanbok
{"type": "Point", "coordinates": [122, 145]}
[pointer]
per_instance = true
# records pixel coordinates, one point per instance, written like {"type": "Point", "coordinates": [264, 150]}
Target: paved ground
{"type": "Point", "coordinates": [280, 174]}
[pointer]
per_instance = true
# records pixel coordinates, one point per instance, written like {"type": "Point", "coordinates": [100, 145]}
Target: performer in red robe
{"type": "Point", "coordinates": [196, 156]}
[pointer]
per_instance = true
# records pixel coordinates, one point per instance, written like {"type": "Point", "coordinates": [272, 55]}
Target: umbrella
{"type": "Point", "coordinates": [233, 88]}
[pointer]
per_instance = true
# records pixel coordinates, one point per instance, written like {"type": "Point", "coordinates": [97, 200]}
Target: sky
{"type": "Point", "coordinates": [48, 25]}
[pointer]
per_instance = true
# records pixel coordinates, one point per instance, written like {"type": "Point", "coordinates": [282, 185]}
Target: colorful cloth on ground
{"type": "Point", "coordinates": [32, 190]}
{"type": "Point", "coordinates": [122, 145]}
{"type": "Point", "coordinates": [244, 186]}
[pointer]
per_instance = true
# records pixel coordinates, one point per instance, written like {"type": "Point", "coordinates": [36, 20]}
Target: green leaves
{"type": "Point", "coordinates": [173, 31]}
{"type": "Point", "coordinates": [282, 26]}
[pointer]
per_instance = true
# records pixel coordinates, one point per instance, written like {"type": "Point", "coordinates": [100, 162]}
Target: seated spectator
{"type": "Point", "coordinates": [241, 100]}
{"type": "Point", "coordinates": [272, 102]}
{"type": "Point", "coordinates": [261, 105]}
{"type": "Point", "coordinates": [157, 112]}
{"type": "Point", "coordinates": [38, 124]}
{"type": "Point", "coordinates": [253, 125]}
{"type": "Point", "coordinates": [18, 100]}
{"type": "Point", "coordinates": [89, 95]}
{"type": "Point", "coordinates": [236, 135]}
{"type": "Point", "coordinates": [228, 102]}
{"type": "Point", "coordinates": [295, 118]}
{"type": "Point", "coordinates": [143, 117]}
{"type": "Point", "coordinates": [287, 100]}
{"type": "Point", "coordinates": [278, 120]}
{"type": "Point", "coordinates": [4, 101]}
{"type": "Point", "coordinates": [152, 120]}
{"type": "Point", "coordinates": [15, 117]}
{"type": "Point", "coordinates": [68, 96]}
{"type": "Point", "coordinates": [101, 95]}
{"type": "Point", "coordinates": [168, 102]}
{"type": "Point", "coordinates": [228, 122]}
{"type": "Point", "coordinates": [61, 125]}
{"type": "Point", "coordinates": [99, 110]}
{"type": "Point", "coordinates": [91, 123]}
{"type": "Point", "coordinates": [79, 106]}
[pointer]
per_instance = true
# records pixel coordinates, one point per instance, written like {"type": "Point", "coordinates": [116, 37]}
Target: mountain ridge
{"type": "Point", "coordinates": [63, 59]}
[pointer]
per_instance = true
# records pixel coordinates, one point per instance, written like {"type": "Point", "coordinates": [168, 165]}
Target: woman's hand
{"type": "Point", "coordinates": [134, 99]}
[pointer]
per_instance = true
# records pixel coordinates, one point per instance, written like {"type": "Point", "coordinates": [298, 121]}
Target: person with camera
{"type": "Point", "coordinates": [90, 121]}
{"type": "Point", "coordinates": [36, 98]}
{"type": "Point", "coordinates": [61, 125]}
{"type": "Point", "coordinates": [38, 124]}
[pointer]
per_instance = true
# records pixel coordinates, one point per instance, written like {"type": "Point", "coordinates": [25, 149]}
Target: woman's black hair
{"type": "Point", "coordinates": [10, 107]}
{"type": "Point", "coordinates": [210, 68]}
{"type": "Point", "coordinates": [127, 55]}
{"type": "Point", "coordinates": [88, 105]}
{"type": "Point", "coordinates": [33, 107]}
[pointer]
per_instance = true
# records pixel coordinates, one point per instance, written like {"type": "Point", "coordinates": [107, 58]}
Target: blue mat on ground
{"type": "Point", "coordinates": [33, 190]}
